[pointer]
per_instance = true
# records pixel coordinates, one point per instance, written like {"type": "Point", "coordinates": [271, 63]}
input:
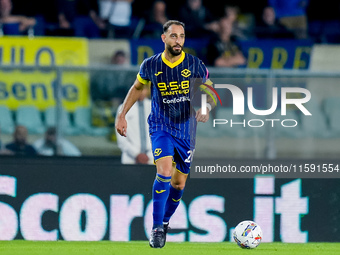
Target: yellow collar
{"type": "Point", "coordinates": [174, 64]}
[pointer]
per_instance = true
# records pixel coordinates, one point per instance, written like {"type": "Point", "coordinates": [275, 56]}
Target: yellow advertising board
{"type": "Point", "coordinates": [38, 88]}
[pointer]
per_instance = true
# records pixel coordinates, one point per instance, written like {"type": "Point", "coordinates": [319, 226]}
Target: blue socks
{"type": "Point", "coordinates": [160, 193]}
{"type": "Point", "coordinates": [172, 203]}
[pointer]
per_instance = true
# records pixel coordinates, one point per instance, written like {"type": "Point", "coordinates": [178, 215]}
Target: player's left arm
{"type": "Point", "coordinates": [201, 115]}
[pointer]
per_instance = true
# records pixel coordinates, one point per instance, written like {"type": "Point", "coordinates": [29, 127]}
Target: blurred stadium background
{"type": "Point", "coordinates": [49, 78]}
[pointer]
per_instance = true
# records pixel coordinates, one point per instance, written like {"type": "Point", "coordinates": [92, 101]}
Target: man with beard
{"type": "Point", "coordinates": [19, 146]}
{"type": "Point", "coordinates": [173, 75]}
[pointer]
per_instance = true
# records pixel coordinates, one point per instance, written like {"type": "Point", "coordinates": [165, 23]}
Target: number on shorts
{"type": "Point", "coordinates": [190, 157]}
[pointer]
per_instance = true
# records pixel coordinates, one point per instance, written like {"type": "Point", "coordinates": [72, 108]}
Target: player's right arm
{"type": "Point", "coordinates": [131, 97]}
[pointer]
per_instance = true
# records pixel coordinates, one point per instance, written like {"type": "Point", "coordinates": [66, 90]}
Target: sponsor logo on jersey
{"type": "Point", "coordinates": [186, 73]}
{"type": "Point", "coordinates": [175, 100]}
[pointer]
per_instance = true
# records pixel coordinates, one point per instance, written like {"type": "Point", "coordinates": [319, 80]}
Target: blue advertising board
{"type": "Point", "coordinates": [277, 54]}
{"type": "Point", "coordinates": [274, 54]}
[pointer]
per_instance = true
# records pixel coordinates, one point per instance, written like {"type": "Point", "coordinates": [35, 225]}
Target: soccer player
{"type": "Point", "coordinates": [172, 121]}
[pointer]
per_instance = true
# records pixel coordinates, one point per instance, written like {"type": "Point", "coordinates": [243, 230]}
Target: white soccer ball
{"type": "Point", "coordinates": [247, 234]}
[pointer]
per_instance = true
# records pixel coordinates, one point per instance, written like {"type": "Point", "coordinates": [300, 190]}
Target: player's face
{"type": "Point", "coordinates": [174, 39]}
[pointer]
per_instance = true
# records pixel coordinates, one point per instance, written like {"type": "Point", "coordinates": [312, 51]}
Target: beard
{"type": "Point", "coordinates": [174, 52]}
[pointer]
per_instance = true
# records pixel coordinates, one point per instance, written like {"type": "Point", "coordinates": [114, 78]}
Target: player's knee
{"type": "Point", "coordinates": [178, 186]}
{"type": "Point", "coordinates": [164, 171]}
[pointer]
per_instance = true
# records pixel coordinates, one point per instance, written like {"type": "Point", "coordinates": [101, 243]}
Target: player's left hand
{"type": "Point", "coordinates": [200, 117]}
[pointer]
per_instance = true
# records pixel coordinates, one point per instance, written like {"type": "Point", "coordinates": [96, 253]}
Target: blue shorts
{"type": "Point", "coordinates": [166, 145]}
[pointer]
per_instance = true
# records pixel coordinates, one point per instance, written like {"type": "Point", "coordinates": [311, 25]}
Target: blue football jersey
{"type": "Point", "coordinates": [172, 89]}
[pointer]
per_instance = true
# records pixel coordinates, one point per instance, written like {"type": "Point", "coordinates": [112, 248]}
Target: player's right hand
{"type": "Point", "coordinates": [121, 125]}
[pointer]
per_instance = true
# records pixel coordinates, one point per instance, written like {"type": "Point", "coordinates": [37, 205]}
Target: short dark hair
{"type": "Point", "coordinates": [172, 22]}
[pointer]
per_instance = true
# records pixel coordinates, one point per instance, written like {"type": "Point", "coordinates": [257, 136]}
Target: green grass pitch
{"type": "Point", "coordinates": [142, 247]}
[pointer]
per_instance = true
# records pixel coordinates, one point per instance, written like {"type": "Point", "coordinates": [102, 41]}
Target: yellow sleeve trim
{"type": "Point", "coordinates": [141, 80]}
